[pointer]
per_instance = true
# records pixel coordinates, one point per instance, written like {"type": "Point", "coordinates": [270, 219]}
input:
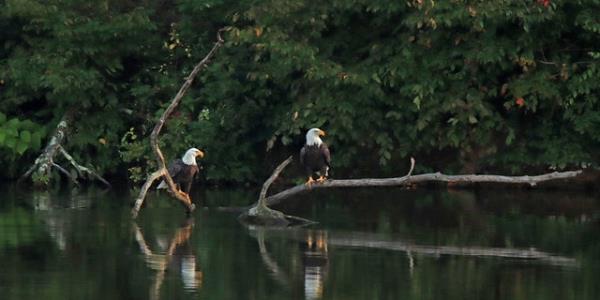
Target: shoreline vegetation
{"type": "Point", "coordinates": [486, 88]}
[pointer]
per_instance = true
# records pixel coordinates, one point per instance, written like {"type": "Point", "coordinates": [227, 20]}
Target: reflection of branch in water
{"type": "Point", "coordinates": [368, 241]}
{"type": "Point", "coordinates": [313, 245]}
{"type": "Point", "coordinates": [191, 278]}
{"type": "Point", "coordinates": [411, 263]}
{"type": "Point", "coordinates": [55, 212]}
{"type": "Point", "coordinates": [271, 264]}
{"type": "Point", "coordinates": [375, 241]}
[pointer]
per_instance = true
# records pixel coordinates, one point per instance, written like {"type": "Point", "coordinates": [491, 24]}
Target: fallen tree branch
{"type": "Point", "coordinates": [81, 169]}
{"type": "Point", "coordinates": [162, 171]}
{"type": "Point", "coordinates": [261, 214]}
{"type": "Point", "coordinates": [41, 168]}
{"type": "Point", "coordinates": [421, 178]}
{"type": "Point", "coordinates": [62, 170]}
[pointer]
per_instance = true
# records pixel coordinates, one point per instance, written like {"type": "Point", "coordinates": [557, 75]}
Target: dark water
{"type": "Point", "coordinates": [369, 244]}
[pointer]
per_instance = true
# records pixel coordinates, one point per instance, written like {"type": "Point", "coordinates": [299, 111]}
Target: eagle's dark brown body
{"type": "Point", "coordinates": [315, 159]}
{"type": "Point", "coordinates": [182, 174]}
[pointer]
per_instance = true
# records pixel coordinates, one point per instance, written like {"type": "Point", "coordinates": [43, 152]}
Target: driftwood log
{"type": "Point", "coordinates": [410, 179]}
{"type": "Point", "coordinates": [41, 169]}
{"type": "Point", "coordinates": [260, 214]}
{"type": "Point", "coordinates": [162, 171]}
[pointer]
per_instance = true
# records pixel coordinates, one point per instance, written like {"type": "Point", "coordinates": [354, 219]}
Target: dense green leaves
{"type": "Point", "coordinates": [465, 86]}
{"type": "Point", "coordinates": [18, 136]}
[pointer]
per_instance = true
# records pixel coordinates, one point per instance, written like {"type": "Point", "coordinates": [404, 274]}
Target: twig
{"type": "Point", "coordinates": [160, 160]}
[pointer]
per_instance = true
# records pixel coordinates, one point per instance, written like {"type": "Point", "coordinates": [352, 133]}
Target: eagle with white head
{"type": "Point", "coordinates": [315, 156]}
{"type": "Point", "coordinates": [184, 170]}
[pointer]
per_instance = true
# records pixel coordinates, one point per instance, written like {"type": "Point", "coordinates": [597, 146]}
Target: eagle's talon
{"type": "Point", "coordinates": [309, 182]}
{"type": "Point", "coordinates": [321, 179]}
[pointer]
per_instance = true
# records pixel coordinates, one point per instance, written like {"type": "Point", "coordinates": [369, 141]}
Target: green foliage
{"type": "Point", "coordinates": [464, 86]}
{"type": "Point", "coordinates": [18, 136]}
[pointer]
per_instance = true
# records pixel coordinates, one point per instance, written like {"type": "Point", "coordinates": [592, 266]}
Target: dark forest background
{"type": "Point", "coordinates": [506, 86]}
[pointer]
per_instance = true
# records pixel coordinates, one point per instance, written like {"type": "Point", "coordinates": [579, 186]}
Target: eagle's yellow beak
{"type": "Point", "coordinates": [321, 133]}
{"type": "Point", "coordinates": [200, 154]}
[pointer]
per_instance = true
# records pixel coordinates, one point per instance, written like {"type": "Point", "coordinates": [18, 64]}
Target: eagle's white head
{"type": "Point", "coordinates": [189, 158]}
{"type": "Point", "coordinates": [313, 136]}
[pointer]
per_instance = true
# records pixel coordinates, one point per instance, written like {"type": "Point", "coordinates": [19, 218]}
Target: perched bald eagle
{"type": "Point", "coordinates": [183, 170]}
{"type": "Point", "coordinates": [314, 156]}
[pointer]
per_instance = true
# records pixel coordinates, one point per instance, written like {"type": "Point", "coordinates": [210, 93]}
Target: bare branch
{"type": "Point", "coordinates": [160, 160]}
{"type": "Point", "coordinates": [140, 199]}
{"type": "Point", "coordinates": [269, 181]}
{"type": "Point", "coordinates": [421, 178]}
{"type": "Point", "coordinates": [62, 170]}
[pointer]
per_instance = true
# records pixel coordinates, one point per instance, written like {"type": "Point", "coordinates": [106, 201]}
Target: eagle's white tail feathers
{"type": "Point", "coordinates": [162, 185]}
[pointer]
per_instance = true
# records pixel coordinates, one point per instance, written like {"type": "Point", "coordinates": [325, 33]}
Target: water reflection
{"type": "Point", "coordinates": [317, 246]}
{"type": "Point", "coordinates": [177, 257]}
{"type": "Point", "coordinates": [313, 254]}
{"type": "Point", "coordinates": [315, 261]}
{"type": "Point", "coordinates": [53, 210]}
{"type": "Point", "coordinates": [457, 245]}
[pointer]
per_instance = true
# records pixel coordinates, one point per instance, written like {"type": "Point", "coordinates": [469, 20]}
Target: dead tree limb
{"type": "Point", "coordinates": [66, 173]}
{"type": "Point", "coordinates": [81, 169]}
{"type": "Point", "coordinates": [421, 178]}
{"type": "Point", "coordinates": [261, 214]}
{"type": "Point", "coordinates": [160, 160]}
{"type": "Point", "coordinates": [41, 168]}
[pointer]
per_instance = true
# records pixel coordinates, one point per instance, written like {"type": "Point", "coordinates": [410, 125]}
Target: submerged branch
{"type": "Point", "coordinates": [183, 198]}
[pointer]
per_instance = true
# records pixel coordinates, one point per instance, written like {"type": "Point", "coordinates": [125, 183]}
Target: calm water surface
{"type": "Point", "coordinates": [368, 244]}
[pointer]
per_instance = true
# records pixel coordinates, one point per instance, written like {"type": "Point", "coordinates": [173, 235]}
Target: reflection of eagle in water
{"type": "Point", "coordinates": [314, 156]}
{"type": "Point", "coordinates": [183, 170]}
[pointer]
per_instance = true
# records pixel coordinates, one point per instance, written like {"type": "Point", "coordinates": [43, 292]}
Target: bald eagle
{"type": "Point", "coordinates": [314, 156]}
{"type": "Point", "coordinates": [183, 170]}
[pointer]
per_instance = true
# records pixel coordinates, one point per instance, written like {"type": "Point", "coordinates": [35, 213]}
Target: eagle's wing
{"type": "Point", "coordinates": [175, 167]}
{"type": "Point", "coordinates": [302, 155]}
{"type": "Point", "coordinates": [326, 154]}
